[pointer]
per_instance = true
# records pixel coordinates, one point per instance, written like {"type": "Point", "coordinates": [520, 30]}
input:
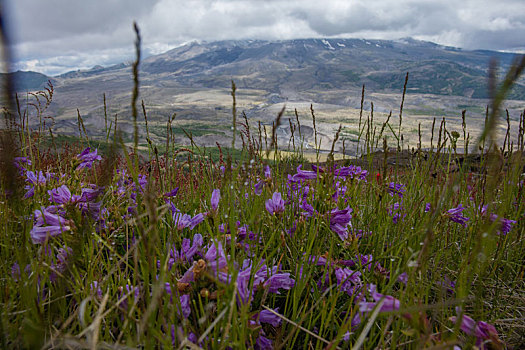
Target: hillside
{"type": "Point", "coordinates": [28, 81]}
{"type": "Point", "coordinates": [194, 81]}
{"type": "Point", "coordinates": [330, 64]}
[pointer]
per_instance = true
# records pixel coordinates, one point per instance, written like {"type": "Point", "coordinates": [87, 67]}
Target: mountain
{"type": "Point", "coordinates": [331, 64]}
{"type": "Point", "coordinates": [92, 72]}
{"type": "Point", "coordinates": [194, 82]}
{"type": "Point", "coordinates": [28, 81]}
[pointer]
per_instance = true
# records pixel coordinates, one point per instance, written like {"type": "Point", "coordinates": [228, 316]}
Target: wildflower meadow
{"type": "Point", "coordinates": [106, 246]}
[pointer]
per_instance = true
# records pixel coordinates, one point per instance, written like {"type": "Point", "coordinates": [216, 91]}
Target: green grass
{"type": "Point", "coordinates": [430, 111]}
{"type": "Point", "coordinates": [134, 268]}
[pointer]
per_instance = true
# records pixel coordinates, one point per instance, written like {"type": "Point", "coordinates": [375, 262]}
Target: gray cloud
{"type": "Point", "coordinates": [57, 35]}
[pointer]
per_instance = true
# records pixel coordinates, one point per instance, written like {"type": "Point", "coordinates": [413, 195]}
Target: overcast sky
{"type": "Point", "coordinates": [55, 36]}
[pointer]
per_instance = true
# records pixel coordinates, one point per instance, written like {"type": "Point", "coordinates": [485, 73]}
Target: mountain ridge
{"type": "Point", "coordinates": [321, 64]}
{"type": "Point", "coordinates": [194, 82]}
{"type": "Point", "coordinates": [326, 64]}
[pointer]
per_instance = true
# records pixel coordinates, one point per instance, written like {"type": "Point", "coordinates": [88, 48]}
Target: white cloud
{"type": "Point", "coordinates": [85, 30]}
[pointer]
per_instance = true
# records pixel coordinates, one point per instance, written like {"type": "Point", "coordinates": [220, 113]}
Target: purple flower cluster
{"type": "Point", "coordinates": [48, 222]}
{"type": "Point", "coordinates": [352, 172]}
{"type": "Point", "coordinates": [87, 158]}
{"type": "Point", "coordinates": [397, 212]}
{"type": "Point", "coordinates": [389, 302]}
{"type": "Point", "coordinates": [184, 220]}
{"type": "Point", "coordinates": [349, 277]}
{"type": "Point", "coordinates": [215, 198]}
{"type": "Point", "coordinates": [264, 277]}
{"type": "Point", "coordinates": [481, 330]}
{"type": "Point", "coordinates": [455, 214]}
{"type": "Point", "coordinates": [396, 189]}
{"type": "Point", "coordinates": [36, 179]}
{"type": "Point", "coordinates": [227, 256]}
{"type": "Point", "coordinates": [212, 259]}
{"type": "Point", "coordinates": [302, 175]}
{"type": "Point", "coordinates": [21, 163]}
{"type": "Point", "coordinates": [340, 221]}
{"type": "Point", "coordinates": [505, 225]}
{"type": "Point", "coordinates": [275, 205]}
{"type": "Point", "coordinates": [186, 252]}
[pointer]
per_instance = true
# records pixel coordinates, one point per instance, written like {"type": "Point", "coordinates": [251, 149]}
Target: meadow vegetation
{"type": "Point", "coordinates": [104, 246]}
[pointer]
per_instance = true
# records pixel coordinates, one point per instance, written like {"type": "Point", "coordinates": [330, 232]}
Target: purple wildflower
{"type": "Point", "coordinates": [60, 195]}
{"type": "Point", "coordinates": [63, 255]}
{"type": "Point", "coordinates": [454, 214]}
{"type": "Point", "coordinates": [143, 182]}
{"type": "Point", "coordinates": [87, 158]}
{"type": "Point", "coordinates": [193, 338]}
{"type": "Point", "coordinates": [172, 193]}
{"type": "Point", "coordinates": [390, 303]}
{"type": "Point", "coordinates": [266, 316]}
{"type": "Point", "coordinates": [398, 189]}
{"type": "Point", "coordinates": [21, 160]}
{"type": "Point", "coordinates": [47, 216]}
{"type": "Point", "coordinates": [304, 174]}
{"type": "Point", "coordinates": [39, 234]}
{"type": "Point", "coordinates": [359, 233]}
{"type": "Point", "coordinates": [308, 210]}
{"type": "Point", "coordinates": [267, 172]}
{"type": "Point", "coordinates": [467, 323]}
{"type": "Point", "coordinates": [483, 331]}
{"type": "Point", "coordinates": [88, 194]}
{"type": "Point", "coordinates": [365, 261]}
{"type": "Point", "coordinates": [448, 284]}
{"type": "Point", "coordinates": [197, 219]}
{"type": "Point", "coordinates": [258, 187]}
{"type": "Point", "coordinates": [347, 279]}
{"type": "Point", "coordinates": [339, 221]}
{"type": "Point", "coordinates": [317, 260]}
{"type": "Point", "coordinates": [134, 292]}
{"type": "Point", "coordinates": [506, 226]}
{"type": "Point", "coordinates": [339, 191]}
{"type": "Point", "coordinates": [184, 220]}
{"type": "Point", "coordinates": [95, 289]}
{"type": "Point", "coordinates": [263, 343]}
{"type": "Point", "coordinates": [30, 192]}
{"type": "Point", "coordinates": [403, 278]}
{"type": "Point", "coordinates": [215, 256]}
{"type": "Point", "coordinates": [185, 306]}
{"type": "Point", "coordinates": [278, 281]}
{"type": "Point", "coordinates": [275, 205]}
{"type": "Point", "coordinates": [244, 293]}
{"type": "Point", "coordinates": [396, 212]}
{"type": "Point", "coordinates": [181, 220]}
{"type": "Point", "coordinates": [351, 171]}
{"type": "Point", "coordinates": [177, 337]}
{"type": "Point", "coordinates": [91, 209]}
{"type": "Point", "coordinates": [215, 198]}
{"type": "Point", "coordinates": [427, 207]}
{"type": "Point", "coordinates": [188, 276]}
{"type": "Point", "coordinates": [292, 229]}
{"type": "Point", "coordinates": [38, 178]}
{"type": "Point", "coordinates": [16, 273]}
{"type": "Point", "coordinates": [242, 231]}
{"type": "Point", "coordinates": [187, 250]}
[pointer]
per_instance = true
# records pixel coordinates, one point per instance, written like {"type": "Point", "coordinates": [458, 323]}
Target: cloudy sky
{"type": "Point", "coordinates": [55, 36]}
